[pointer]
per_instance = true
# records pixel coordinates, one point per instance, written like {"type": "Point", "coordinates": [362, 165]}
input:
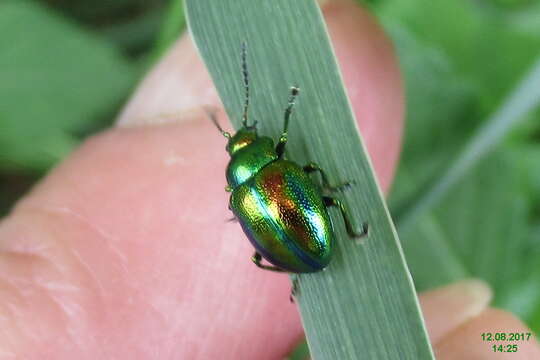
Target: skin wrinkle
{"type": "Point", "coordinates": [107, 238]}
{"type": "Point", "coordinates": [91, 274]}
{"type": "Point", "coordinates": [35, 260]}
{"type": "Point", "coordinates": [70, 250]}
{"type": "Point", "coordinates": [38, 285]}
{"type": "Point", "coordinates": [18, 287]}
{"type": "Point", "coordinates": [6, 278]}
{"type": "Point", "coordinates": [9, 312]}
{"type": "Point", "coordinates": [76, 327]}
{"type": "Point", "coordinates": [57, 286]}
{"type": "Point", "coordinates": [66, 316]}
{"type": "Point", "coordinates": [47, 301]}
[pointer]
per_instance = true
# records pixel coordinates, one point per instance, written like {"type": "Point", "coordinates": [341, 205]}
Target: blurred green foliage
{"type": "Point", "coordinates": [66, 67]}
{"type": "Point", "coordinates": [56, 77]}
{"type": "Point", "coordinates": [461, 59]}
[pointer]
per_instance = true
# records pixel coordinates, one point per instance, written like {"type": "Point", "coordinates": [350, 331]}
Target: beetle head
{"type": "Point", "coordinates": [242, 138]}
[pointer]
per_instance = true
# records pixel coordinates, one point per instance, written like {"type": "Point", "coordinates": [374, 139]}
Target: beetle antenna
{"type": "Point", "coordinates": [212, 115]}
{"type": "Point", "coordinates": [280, 148]}
{"type": "Point", "coordinates": [295, 90]}
{"type": "Point", "coordinates": [246, 85]}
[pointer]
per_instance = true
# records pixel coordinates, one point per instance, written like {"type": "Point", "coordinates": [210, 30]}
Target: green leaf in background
{"type": "Point", "coordinates": [173, 23]}
{"type": "Point", "coordinates": [484, 46]}
{"type": "Point", "coordinates": [525, 18]}
{"type": "Point", "coordinates": [130, 25]}
{"type": "Point", "coordinates": [363, 304]}
{"type": "Point", "coordinates": [56, 80]}
{"type": "Point", "coordinates": [436, 99]}
{"type": "Point", "coordinates": [470, 226]}
{"type": "Point", "coordinates": [462, 62]}
{"type": "Point", "coordinates": [481, 229]}
{"type": "Point", "coordinates": [514, 110]}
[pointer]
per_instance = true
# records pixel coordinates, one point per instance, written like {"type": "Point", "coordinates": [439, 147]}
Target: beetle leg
{"type": "Point", "coordinates": [257, 258]}
{"type": "Point", "coordinates": [330, 201]}
{"type": "Point", "coordinates": [280, 147]}
{"type": "Point", "coordinates": [312, 167]}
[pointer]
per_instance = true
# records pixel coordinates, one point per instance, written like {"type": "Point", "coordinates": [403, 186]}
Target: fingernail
{"type": "Point", "coordinates": [474, 294]}
{"type": "Point", "coordinates": [161, 118]}
{"type": "Point", "coordinates": [448, 307]}
{"type": "Point", "coordinates": [173, 90]}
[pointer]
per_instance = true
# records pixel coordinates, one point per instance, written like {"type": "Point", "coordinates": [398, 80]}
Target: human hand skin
{"type": "Point", "coordinates": [123, 251]}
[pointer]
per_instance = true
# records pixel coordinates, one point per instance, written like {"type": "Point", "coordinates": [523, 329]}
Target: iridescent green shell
{"type": "Point", "coordinates": [283, 214]}
{"type": "Point", "coordinates": [249, 160]}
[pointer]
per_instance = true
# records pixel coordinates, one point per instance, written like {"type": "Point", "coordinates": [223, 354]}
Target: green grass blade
{"type": "Point", "coordinates": [364, 305]}
{"type": "Point", "coordinates": [523, 99]}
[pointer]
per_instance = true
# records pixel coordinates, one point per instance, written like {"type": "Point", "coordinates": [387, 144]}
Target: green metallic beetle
{"type": "Point", "coordinates": [280, 209]}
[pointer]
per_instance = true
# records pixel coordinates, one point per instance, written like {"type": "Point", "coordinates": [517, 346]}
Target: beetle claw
{"type": "Point", "coordinates": [341, 187]}
{"type": "Point", "coordinates": [360, 237]}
